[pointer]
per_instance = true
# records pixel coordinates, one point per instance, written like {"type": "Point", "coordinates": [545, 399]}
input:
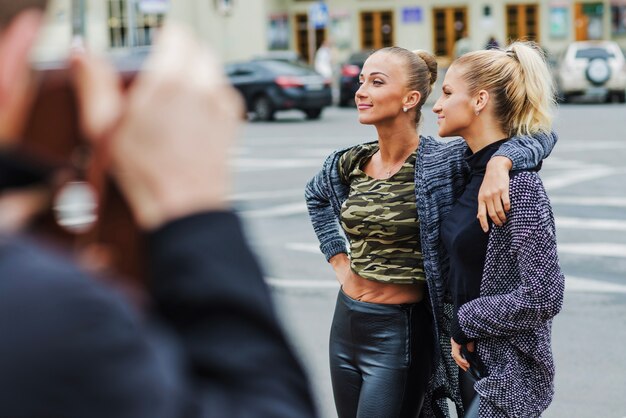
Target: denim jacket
{"type": "Point", "coordinates": [440, 177]}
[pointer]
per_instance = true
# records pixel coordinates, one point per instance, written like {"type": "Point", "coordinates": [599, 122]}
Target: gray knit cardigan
{"type": "Point", "coordinates": [440, 177]}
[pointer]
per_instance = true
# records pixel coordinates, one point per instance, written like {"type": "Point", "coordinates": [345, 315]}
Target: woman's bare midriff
{"type": "Point", "coordinates": [364, 290]}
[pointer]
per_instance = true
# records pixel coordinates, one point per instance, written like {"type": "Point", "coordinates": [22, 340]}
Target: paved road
{"type": "Point", "coordinates": [585, 178]}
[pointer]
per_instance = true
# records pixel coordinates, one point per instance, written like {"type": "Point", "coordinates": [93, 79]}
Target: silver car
{"type": "Point", "coordinates": [592, 69]}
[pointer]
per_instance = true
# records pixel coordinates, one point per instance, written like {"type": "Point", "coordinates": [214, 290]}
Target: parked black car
{"type": "Point", "coordinates": [282, 55]}
{"type": "Point", "coordinates": [268, 86]}
{"type": "Point", "coordinates": [349, 78]}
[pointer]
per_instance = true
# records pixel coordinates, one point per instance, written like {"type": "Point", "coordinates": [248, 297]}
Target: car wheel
{"type": "Point", "coordinates": [598, 71]}
{"type": "Point", "coordinates": [263, 108]}
{"type": "Point", "coordinates": [313, 113]}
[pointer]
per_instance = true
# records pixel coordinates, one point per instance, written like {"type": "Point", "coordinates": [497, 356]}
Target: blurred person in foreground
{"type": "Point", "coordinates": [211, 344]}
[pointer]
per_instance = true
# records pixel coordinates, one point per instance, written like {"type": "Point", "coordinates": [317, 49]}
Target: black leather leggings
{"type": "Point", "coordinates": [380, 358]}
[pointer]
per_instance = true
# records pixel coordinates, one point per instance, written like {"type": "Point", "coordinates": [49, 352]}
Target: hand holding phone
{"type": "Point", "coordinates": [168, 142]}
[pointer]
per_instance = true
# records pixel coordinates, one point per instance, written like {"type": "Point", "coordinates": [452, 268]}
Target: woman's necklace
{"type": "Point", "coordinates": [393, 169]}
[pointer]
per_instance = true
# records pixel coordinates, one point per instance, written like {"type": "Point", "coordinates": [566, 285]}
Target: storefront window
{"type": "Point", "coordinates": [559, 18]}
{"type": "Point", "coordinates": [144, 25]}
{"type": "Point", "coordinates": [618, 19]}
{"type": "Point", "coordinates": [278, 33]}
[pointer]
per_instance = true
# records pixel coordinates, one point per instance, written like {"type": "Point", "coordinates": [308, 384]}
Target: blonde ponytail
{"type": "Point", "coordinates": [533, 96]}
{"type": "Point", "coordinates": [520, 83]}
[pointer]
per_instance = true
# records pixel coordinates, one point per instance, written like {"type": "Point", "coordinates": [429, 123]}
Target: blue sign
{"type": "Point", "coordinates": [412, 15]}
{"type": "Point", "coordinates": [318, 15]}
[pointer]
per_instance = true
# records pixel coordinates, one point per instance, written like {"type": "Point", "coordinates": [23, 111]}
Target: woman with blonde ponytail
{"type": "Point", "coordinates": [388, 197]}
{"type": "Point", "coordinates": [505, 285]}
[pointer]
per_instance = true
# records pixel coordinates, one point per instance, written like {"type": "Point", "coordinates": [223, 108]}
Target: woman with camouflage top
{"type": "Point", "coordinates": [388, 198]}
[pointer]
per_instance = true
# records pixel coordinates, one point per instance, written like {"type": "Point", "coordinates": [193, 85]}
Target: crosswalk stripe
{"type": "Point", "coordinates": [572, 284]}
{"type": "Point", "coordinates": [602, 249]}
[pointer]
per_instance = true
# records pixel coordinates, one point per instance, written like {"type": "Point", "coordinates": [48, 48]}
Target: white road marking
{"type": "Point", "coordinates": [603, 249]}
{"type": "Point", "coordinates": [573, 177]}
{"type": "Point", "coordinates": [590, 224]}
{"type": "Point", "coordinates": [276, 211]}
{"type": "Point", "coordinates": [269, 194]}
{"type": "Point", "coordinates": [313, 152]}
{"type": "Point", "coordinates": [304, 247]}
{"type": "Point", "coordinates": [590, 145]}
{"type": "Point", "coordinates": [264, 164]}
{"type": "Point", "coordinates": [555, 163]}
{"type": "Point", "coordinates": [578, 284]}
{"type": "Point", "coordinates": [303, 284]}
{"type": "Point", "coordinates": [596, 201]}
{"type": "Point", "coordinates": [299, 208]}
{"type": "Point", "coordinates": [572, 284]}
{"type": "Point", "coordinates": [589, 249]}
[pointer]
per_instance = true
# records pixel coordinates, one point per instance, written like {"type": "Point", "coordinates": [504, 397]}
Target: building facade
{"type": "Point", "coordinates": [436, 25]}
{"type": "Point", "coordinates": [239, 29]}
{"type": "Point", "coordinates": [235, 29]}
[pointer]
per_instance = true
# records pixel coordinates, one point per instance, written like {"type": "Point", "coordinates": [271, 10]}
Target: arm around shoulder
{"type": "Point", "coordinates": [526, 152]}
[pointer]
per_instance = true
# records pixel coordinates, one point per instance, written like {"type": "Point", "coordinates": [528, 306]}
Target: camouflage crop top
{"type": "Point", "coordinates": [380, 220]}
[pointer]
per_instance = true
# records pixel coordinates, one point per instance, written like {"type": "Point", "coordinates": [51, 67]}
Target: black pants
{"type": "Point", "coordinates": [380, 358]}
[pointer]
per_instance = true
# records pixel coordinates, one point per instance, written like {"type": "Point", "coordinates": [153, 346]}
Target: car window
{"type": "Point", "coordinates": [230, 69]}
{"type": "Point", "coordinates": [285, 68]}
{"type": "Point", "coordinates": [358, 59]}
{"type": "Point", "coordinates": [237, 70]}
{"type": "Point", "coordinates": [594, 52]}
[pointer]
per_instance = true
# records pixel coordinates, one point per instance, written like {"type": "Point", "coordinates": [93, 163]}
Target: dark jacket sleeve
{"type": "Point", "coordinates": [70, 347]}
{"type": "Point", "coordinates": [208, 287]}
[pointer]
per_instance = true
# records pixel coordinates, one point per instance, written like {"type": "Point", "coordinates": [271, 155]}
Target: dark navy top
{"type": "Point", "coordinates": [464, 239]}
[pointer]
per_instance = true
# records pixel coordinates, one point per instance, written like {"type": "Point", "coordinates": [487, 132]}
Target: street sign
{"type": "Point", "coordinates": [224, 7]}
{"type": "Point", "coordinates": [318, 15]}
{"type": "Point", "coordinates": [412, 15]}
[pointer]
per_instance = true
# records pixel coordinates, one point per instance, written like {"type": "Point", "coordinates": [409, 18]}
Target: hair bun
{"type": "Point", "coordinates": [431, 63]}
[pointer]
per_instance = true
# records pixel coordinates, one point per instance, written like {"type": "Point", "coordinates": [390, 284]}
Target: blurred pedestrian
{"type": "Point", "coordinates": [506, 285]}
{"type": "Point", "coordinates": [463, 45]}
{"type": "Point", "coordinates": [388, 198]}
{"type": "Point", "coordinates": [324, 59]}
{"type": "Point", "coordinates": [492, 43]}
{"type": "Point", "coordinates": [210, 345]}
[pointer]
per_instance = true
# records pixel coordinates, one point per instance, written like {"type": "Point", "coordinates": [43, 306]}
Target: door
{"type": "Point", "coordinates": [377, 30]}
{"type": "Point", "coordinates": [522, 22]}
{"type": "Point", "coordinates": [448, 26]}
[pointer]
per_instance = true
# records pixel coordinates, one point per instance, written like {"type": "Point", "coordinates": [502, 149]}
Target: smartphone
{"type": "Point", "coordinates": [477, 368]}
{"type": "Point", "coordinates": [52, 137]}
